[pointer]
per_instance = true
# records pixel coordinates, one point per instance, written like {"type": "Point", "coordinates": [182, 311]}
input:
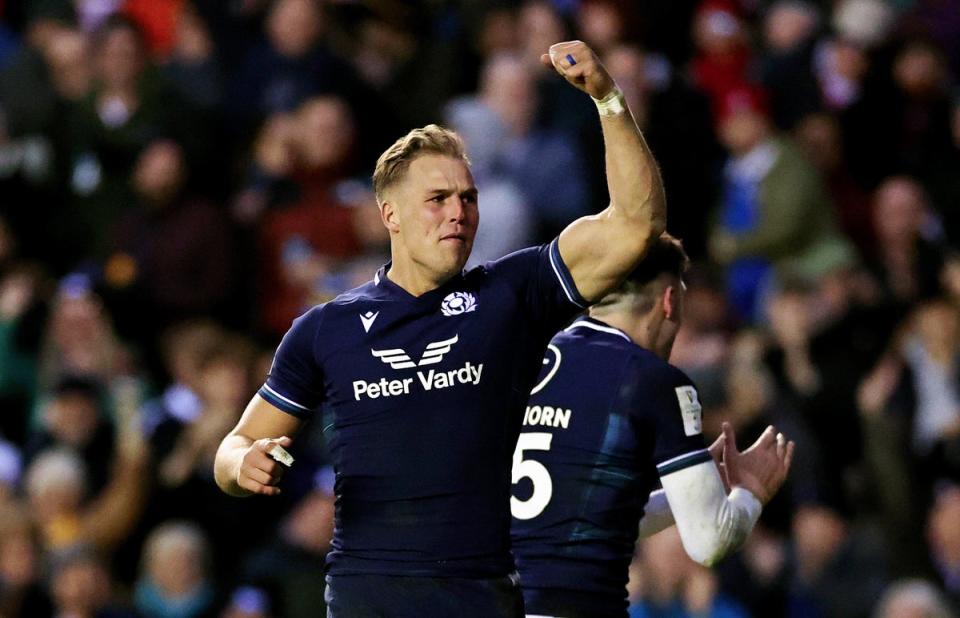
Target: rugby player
{"type": "Point", "coordinates": [608, 420]}
{"type": "Point", "coordinates": [427, 368]}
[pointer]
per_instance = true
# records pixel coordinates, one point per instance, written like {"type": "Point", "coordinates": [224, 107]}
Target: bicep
{"type": "Point", "coordinates": [600, 251]}
{"type": "Point", "coordinates": [262, 419]}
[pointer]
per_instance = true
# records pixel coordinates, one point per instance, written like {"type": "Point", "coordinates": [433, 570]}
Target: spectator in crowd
{"type": "Point", "coordinates": [82, 586]}
{"type": "Point", "coordinates": [21, 296]}
{"type": "Point", "coordinates": [676, 123]}
{"type": "Point", "coordinates": [324, 221]}
{"type": "Point", "coordinates": [944, 540]}
{"type": "Point", "coordinates": [544, 164]}
{"type": "Point", "coordinates": [80, 339]}
{"type": "Point", "coordinates": [291, 562]}
{"type": "Point", "coordinates": [723, 62]}
{"type": "Point", "coordinates": [665, 582]}
{"type": "Point", "coordinates": [558, 108]}
{"type": "Point", "coordinates": [291, 64]}
{"type": "Point", "coordinates": [758, 576]}
{"type": "Point", "coordinates": [31, 109]}
{"type": "Point", "coordinates": [906, 261]}
{"type": "Point", "coordinates": [222, 387]}
{"type": "Point", "coordinates": [932, 352]}
{"type": "Point", "coordinates": [129, 107]}
{"type": "Point", "coordinates": [68, 509]}
{"type": "Point", "coordinates": [172, 251]}
{"type": "Point", "coordinates": [819, 136]}
{"type": "Point", "coordinates": [774, 210]}
{"type": "Point", "coordinates": [174, 579]}
{"type": "Point", "coordinates": [21, 590]}
{"type": "Point", "coordinates": [602, 24]}
{"type": "Point", "coordinates": [837, 570]}
{"type": "Point", "coordinates": [912, 597]}
{"type": "Point", "coordinates": [73, 418]}
{"type": "Point", "coordinates": [191, 65]}
{"type": "Point", "coordinates": [185, 347]}
{"type": "Point", "coordinates": [840, 68]}
{"type": "Point", "coordinates": [702, 345]}
{"type": "Point", "coordinates": [790, 29]}
{"type": "Point", "coordinates": [507, 223]}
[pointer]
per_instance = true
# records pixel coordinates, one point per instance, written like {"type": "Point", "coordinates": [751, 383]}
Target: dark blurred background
{"type": "Point", "coordinates": [179, 179]}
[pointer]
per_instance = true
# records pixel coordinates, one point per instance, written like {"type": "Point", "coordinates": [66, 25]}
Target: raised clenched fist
{"type": "Point", "coordinates": [580, 66]}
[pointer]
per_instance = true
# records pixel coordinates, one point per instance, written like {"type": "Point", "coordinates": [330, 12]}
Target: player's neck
{"type": "Point", "coordinates": [412, 277]}
{"type": "Point", "coordinates": [643, 330]}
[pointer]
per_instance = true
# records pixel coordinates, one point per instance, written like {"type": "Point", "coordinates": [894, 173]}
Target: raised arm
{"type": "Point", "coordinates": [243, 466]}
{"type": "Point", "coordinates": [600, 250]}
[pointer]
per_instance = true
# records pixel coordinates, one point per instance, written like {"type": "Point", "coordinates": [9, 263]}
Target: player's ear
{"type": "Point", "coordinates": [388, 214]}
{"type": "Point", "coordinates": [669, 300]}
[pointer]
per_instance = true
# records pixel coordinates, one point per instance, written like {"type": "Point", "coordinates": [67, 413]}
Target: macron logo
{"type": "Point", "coordinates": [367, 319]}
{"type": "Point", "coordinates": [397, 358]}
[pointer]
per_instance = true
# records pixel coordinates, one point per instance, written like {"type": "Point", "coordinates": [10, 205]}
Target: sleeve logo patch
{"type": "Point", "coordinates": [690, 410]}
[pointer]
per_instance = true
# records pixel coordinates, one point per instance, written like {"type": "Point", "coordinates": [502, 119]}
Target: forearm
{"type": "Point", "coordinates": [711, 523]}
{"type": "Point", "coordinates": [657, 515]}
{"type": "Point", "coordinates": [602, 249]}
{"type": "Point", "coordinates": [113, 515]}
{"type": "Point", "coordinates": [226, 466]}
{"type": "Point", "coordinates": [633, 177]}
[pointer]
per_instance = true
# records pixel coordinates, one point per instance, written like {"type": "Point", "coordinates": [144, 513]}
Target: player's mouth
{"type": "Point", "coordinates": [454, 237]}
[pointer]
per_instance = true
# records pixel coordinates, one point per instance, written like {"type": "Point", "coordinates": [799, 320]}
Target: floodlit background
{"type": "Point", "coordinates": [179, 179]}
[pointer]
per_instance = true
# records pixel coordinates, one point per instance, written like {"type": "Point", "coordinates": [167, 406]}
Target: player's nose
{"type": "Point", "coordinates": [457, 209]}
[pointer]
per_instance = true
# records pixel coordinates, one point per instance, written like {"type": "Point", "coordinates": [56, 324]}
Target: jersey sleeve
{"type": "Point", "coordinates": [545, 284]}
{"type": "Point", "coordinates": [670, 407]}
{"type": "Point", "coordinates": [295, 382]}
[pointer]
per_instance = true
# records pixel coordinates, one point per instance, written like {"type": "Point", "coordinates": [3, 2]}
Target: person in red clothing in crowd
{"type": "Point", "coordinates": [723, 57]}
{"type": "Point", "coordinates": [304, 242]}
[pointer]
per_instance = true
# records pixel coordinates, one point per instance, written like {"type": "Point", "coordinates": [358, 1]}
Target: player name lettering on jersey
{"type": "Point", "coordinates": [547, 416]}
{"type": "Point", "coordinates": [428, 380]}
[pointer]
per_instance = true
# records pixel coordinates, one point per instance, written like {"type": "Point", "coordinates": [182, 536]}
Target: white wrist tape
{"type": "Point", "coordinates": [711, 524]}
{"type": "Point", "coordinates": [613, 104]}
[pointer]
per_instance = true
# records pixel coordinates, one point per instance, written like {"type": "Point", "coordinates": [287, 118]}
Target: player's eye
{"type": "Point", "coordinates": [438, 199]}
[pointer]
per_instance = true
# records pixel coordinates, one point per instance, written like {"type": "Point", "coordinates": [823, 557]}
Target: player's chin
{"type": "Point", "coordinates": [457, 245]}
{"type": "Point", "coordinates": [456, 252]}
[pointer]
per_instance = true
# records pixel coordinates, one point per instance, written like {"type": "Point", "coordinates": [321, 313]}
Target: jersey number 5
{"type": "Point", "coordinates": [536, 472]}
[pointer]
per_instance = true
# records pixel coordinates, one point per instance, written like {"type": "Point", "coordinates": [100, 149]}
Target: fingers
{"type": "Point", "coordinates": [781, 445]}
{"type": "Point", "coordinates": [724, 476]}
{"type": "Point", "coordinates": [581, 67]}
{"type": "Point", "coordinates": [716, 449]}
{"type": "Point", "coordinates": [265, 445]}
{"type": "Point", "coordinates": [731, 464]}
{"type": "Point", "coordinates": [788, 458]}
{"type": "Point", "coordinates": [259, 473]}
{"type": "Point", "coordinates": [730, 438]}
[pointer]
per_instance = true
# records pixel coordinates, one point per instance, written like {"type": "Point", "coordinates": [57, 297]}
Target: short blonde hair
{"type": "Point", "coordinates": [431, 139]}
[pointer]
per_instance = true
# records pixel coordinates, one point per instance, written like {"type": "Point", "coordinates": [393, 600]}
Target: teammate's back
{"type": "Point", "coordinates": [594, 426]}
{"type": "Point", "coordinates": [609, 418]}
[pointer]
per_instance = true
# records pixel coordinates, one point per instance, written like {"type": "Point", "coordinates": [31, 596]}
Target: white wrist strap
{"type": "Point", "coordinates": [613, 104]}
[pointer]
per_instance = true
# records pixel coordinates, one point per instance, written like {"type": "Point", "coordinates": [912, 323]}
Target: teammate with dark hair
{"type": "Point", "coordinates": [426, 370]}
{"type": "Point", "coordinates": [608, 419]}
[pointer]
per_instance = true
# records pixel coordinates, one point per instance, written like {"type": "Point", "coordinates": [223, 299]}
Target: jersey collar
{"type": "Point", "coordinates": [598, 326]}
{"type": "Point", "coordinates": [390, 289]}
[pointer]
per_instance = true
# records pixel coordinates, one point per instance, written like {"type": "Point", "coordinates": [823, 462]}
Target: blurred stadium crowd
{"type": "Point", "coordinates": [181, 178]}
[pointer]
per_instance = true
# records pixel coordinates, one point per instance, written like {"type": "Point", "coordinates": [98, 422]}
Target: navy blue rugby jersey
{"type": "Point", "coordinates": [426, 395]}
{"type": "Point", "coordinates": [606, 420]}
